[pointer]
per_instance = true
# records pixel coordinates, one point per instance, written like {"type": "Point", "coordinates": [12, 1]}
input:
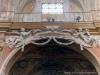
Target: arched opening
{"type": "Point", "coordinates": [51, 59]}
{"type": "Point", "coordinates": [76, 6]}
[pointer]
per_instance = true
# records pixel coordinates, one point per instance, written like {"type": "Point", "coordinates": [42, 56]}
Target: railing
{"type": "Point", "coordinates": [38, 17]}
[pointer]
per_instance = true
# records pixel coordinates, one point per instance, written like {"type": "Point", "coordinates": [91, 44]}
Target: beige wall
{"type": "Point", "coordinates": [33, 8]}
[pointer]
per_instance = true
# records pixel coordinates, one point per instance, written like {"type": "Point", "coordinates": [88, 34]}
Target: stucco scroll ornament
{"type": "Point", "coordinates": [18, 39]}
{"type": "Point", "coordinates": [22, 38]}
{"type": "Point", "coordinates": [78, 36]}
{"type": "Point", "coordinates": [83, 38]}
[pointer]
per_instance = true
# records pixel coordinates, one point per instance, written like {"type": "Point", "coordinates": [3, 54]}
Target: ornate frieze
{"type": "Point", "coordinates": [19, 39]}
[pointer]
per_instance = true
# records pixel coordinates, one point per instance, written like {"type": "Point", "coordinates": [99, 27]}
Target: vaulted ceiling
{"type": "Point", "coordinates": [28, 5]}
{"type": "Point", "coordinates": [17, 5]}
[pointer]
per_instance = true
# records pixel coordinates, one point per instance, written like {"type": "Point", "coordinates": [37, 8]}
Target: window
{"type": "Point", "coordinates": [52, 8]}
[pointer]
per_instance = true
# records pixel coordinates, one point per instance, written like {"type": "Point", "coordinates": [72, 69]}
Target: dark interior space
{"type": "Point", "coordinates": [51, 59]}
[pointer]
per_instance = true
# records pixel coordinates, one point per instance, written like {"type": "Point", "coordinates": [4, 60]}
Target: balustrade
{"type": "Point", "coordinates": [39, 17]}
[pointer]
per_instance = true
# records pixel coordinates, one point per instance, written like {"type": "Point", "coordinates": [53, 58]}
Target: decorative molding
{"type": "Point", "coordinates": [91, 26]}
{"type": "Point", "coordinates": [23, 37]}
{"type": "Point", "coordinates": [31, 25]}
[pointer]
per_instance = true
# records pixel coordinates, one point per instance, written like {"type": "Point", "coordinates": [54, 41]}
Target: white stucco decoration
{"type": "Point", "coordinates": [22, 38]}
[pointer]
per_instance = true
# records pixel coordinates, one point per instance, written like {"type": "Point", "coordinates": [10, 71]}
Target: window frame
{"type": "Point", "coordinates": [52, 13]}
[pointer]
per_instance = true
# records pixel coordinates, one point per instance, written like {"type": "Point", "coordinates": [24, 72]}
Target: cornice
{"type": "Point", "coordinates": [94, 27]}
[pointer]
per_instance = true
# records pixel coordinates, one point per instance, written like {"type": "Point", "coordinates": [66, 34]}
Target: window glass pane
{"type": "Point", "coordinates": [52, 8]}
{"type": "Point", "coordinates": [45, 11]}
{"type": "Point", "coordinates": [59, 6]}
{"type": "Point", "coordinates": [45, 6]}
{"type": "Point", "coordinates": [52, 11]}
{"type": "Point", "coordinates": [59, 11]}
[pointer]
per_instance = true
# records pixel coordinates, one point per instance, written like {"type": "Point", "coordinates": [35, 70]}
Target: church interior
{"type": "Point", "coordinates": [49, 37]}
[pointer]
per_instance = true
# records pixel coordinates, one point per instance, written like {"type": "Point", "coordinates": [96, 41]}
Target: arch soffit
{"type": "Point", "coordinates": [91, 57]}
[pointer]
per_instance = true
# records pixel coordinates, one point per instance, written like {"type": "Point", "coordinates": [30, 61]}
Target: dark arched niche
{"type": "Point", "coordinates": [51, 59]}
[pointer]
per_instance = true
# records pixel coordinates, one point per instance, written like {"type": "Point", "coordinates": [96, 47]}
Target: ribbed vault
{"type": "Point", "coordinates": [29, 5]}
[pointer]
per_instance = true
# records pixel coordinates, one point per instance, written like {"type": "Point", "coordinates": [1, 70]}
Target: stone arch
{"type": "Point", "coordinates": [91, 55]}
{"type": "Point", "coordinates": [13, 56]}
{"type": "Point", "coordinates": [22, 6]}
{"type": "Point", "coordinates": [29, 6]}
{"type": "Point", "coordinates": [77, 4]}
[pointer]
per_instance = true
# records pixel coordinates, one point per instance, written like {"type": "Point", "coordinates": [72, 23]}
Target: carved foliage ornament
{"type": "Point", "coordinates": [22, 38]}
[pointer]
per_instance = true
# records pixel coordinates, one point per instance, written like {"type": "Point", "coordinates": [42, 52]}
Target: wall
{"type": "Point", "coordinates": [30, 10]}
